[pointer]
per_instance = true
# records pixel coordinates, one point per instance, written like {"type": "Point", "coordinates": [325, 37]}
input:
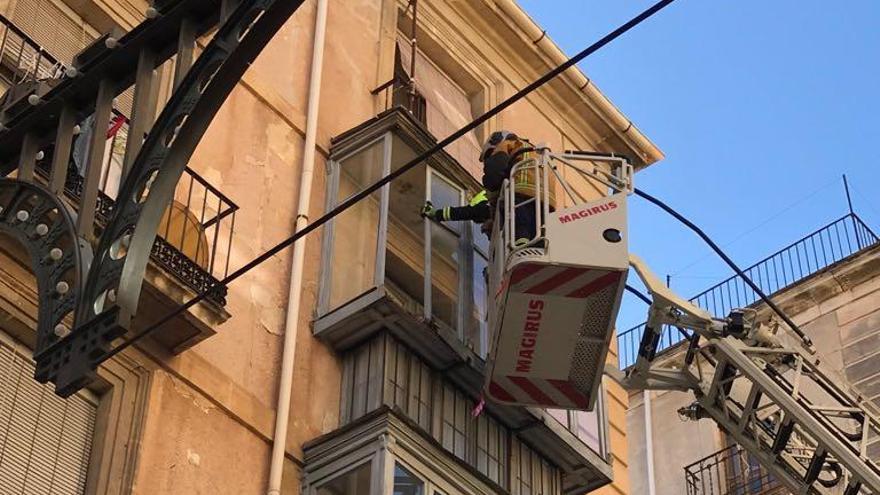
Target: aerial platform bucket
{"type": "Point", "coordinates": [555, 304]}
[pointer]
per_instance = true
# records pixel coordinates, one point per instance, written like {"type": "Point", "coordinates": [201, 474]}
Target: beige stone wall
{"type": "Point", "coordinates": [616, 405]}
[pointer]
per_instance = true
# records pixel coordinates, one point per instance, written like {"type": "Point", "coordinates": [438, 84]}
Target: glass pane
{"type": "Point", "coordinates": [481, 240]}
{"type": "Point", "coordinates": [561, 415]}
{"type": "Point", "coordinates": [478, 318]}
{"type": "Point", "coordinates": [355, 482]}
{"type": "Point", "coordinates": [406, 483]}
{"type": "Point", "coordinates": [405, 256]}
{"type": "Point", "coordinates": [445, 266]}
{"type": "Point", "coordinates": [355, 232]}
{"type": "Point", "coordinates": [588, 428]}
{"type": "Point", "coordinates": [445, 255]}
{"type": "Point", "coordinates": [444, 193]}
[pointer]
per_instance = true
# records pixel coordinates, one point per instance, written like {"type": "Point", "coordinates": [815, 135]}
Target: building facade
{"type": "Point", "coordinates": [391, 338]}
{"type": "Point", "coordinates": [829, 284]}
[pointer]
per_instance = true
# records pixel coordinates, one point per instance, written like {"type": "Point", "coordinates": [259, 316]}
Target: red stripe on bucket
{"type": "Point", "coordinates": [525, 271]}
{"type": "Point", "coordinates": [555, 281]}
{"type": "Point", "coordinates": [596, 285]}
{"type": "Point", "coordinates": [534, 392]}
{"type": "Point", "coordinates": [499, 393]}
{"type": "Point", "coordinates": [571, 393]}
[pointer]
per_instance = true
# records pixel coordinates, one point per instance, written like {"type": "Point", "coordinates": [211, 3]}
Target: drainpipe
{"type": "Point", "coordinates": [649, 441]}
{"type": "Point", "coordinates": [285, 384]}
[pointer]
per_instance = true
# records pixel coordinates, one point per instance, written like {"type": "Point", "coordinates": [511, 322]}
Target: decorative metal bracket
{"type": "Point", "coordinates": [103, 293]}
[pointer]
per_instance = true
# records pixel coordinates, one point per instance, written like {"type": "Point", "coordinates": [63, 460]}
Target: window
{"type": "Point", "coordinates": [587, 426]}
{"type": "Point", "coordinates": [453, 433]}
{"type": "Point", "coordinates": [45, 441]}
{"type": "Point", "coordinates": [354, 482]}
{"type": "Point", "coordinates": [406, 483]}
{"type": "Point", "coordinates": [405, 266]}
{"type": "Point", "coordinates": [430, 270]}
{"type": "Point", "coordinates": [478, 322]}
{"type": "Point", "coordinates": [450, 106]}
{"type": "Point", "coordinates": [533, 475]}
{"type": "Point", "coordinates": [491, 448]}
{"type": "Point", "coordinates": [446, 254]}
{"type": "Point", "coordinates": [355, 232]}
{"type": "Point", "coordinates": [58, 30]}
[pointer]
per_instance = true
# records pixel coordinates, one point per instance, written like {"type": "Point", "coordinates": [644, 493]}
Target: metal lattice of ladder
{"type": "Point", "coordinates": [769, 393]}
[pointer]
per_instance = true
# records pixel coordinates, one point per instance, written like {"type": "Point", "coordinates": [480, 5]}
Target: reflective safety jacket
{"type": "Point", "coordinates": [477, 210]}
{"type": "Point", "coordinates": [497, 166]}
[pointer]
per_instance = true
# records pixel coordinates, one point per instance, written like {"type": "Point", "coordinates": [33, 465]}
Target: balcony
{"type": "Point", "coordinates": [192, 248]}
{"type": "Point", "coordinates": [787, 267]}
{"type": "Point", "coordinates": [730, 471]}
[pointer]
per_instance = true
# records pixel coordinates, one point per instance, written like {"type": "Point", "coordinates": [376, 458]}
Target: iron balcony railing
{"type": "Point", "coordinates": [194, 242]}
{"type": "Point", "coordinates": [730, 471]}
{"type": "Point", "coordinates": [21, 58]}
{"type": "Point", "coordinates": [816, 251]}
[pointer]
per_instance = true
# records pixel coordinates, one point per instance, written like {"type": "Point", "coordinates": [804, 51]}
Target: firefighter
{"type": "Point", "coordinates": [477, 210]}
{"type": "Point", "coordinates": [500, 152]}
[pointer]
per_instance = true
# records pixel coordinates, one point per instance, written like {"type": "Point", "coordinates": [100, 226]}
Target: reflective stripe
{"type": "Point", "coordinates": [478, 198]}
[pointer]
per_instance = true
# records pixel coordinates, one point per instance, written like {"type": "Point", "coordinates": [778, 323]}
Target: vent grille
{"type": "Point", "coordinates": [595, 325]}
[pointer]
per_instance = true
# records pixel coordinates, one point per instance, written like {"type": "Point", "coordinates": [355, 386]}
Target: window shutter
{"type": "Point", "coordinates": [59, 31]}
{"type": "Point", "coordinates": [45, 441]}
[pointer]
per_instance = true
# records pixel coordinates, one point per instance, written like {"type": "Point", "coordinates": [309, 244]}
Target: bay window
{"type": "Point", "coordinates": [432, 270]}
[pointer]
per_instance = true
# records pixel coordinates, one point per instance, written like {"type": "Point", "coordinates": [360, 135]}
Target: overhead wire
{"type": "Point", "coordinates": [733, 266]}
{"type": "Point", "coordinates": [354, 199]}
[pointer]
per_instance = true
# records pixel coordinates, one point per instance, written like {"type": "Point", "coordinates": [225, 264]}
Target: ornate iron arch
{"type": "Point", "coordinates": [42, 224]}
{"type": "Point", "coordinates": [105, 296]}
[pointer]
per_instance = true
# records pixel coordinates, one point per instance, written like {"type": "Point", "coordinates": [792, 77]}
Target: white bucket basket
{"type": "Point", "coordinates": [556, 300]}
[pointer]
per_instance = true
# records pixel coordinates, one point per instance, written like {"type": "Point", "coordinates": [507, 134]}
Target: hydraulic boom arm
{"type": "Point", "coordinates": [770, 396]}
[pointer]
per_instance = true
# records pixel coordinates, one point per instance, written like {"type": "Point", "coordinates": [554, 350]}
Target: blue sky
{"type": "Point", "coordinates": [759, 106]}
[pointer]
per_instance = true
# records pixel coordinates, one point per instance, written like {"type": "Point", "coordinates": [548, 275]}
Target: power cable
{"type": "Point", "coordinates": [641, 295]}
{"type": "Point", "coordinates": [663, 206]}
{"type": "Point", "coordinates": [348, 203]}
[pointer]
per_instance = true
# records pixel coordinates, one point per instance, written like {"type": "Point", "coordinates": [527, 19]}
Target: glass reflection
{"type": "Point", "coordinates": [406, 483]}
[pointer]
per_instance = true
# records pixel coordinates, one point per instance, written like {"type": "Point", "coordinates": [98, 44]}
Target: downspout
{"type": "Point", "coordinates": [649, 441]}
{"type": "Point", "coordinates": [279, 440]}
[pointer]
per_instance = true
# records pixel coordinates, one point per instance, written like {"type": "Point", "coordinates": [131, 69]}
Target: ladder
{"type": "Point", "coordinates": [768, 391]}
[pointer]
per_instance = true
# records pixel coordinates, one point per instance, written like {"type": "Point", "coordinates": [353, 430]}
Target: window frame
{"type": "Point", "coordinates": [572, 423]}
{"type": "Point", "coordinates": [328, 236]}
{"type": "Point", "coordinates": [346, 465]}
{"type": "Point", "coordinates": [465, 237]}
{"type": "Point", "coordinates": [464, 290]}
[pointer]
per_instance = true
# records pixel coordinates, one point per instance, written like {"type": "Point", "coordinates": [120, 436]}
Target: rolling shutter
{"type": "Point", "coordinates": [59, 31]}
{"type": "Point", "coordinates": [45, 441]}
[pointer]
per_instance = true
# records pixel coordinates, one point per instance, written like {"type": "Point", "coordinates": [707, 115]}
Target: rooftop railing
{"type": "Point", "coordinates": [828, 245]}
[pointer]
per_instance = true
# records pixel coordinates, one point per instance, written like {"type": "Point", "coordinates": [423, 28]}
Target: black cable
{"type": "Point", "coordinates": [348, 203]}
{"type": "Point", "coordinates": [663, 206]}
{"type": "Point", "coordinates": [641, 295]}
